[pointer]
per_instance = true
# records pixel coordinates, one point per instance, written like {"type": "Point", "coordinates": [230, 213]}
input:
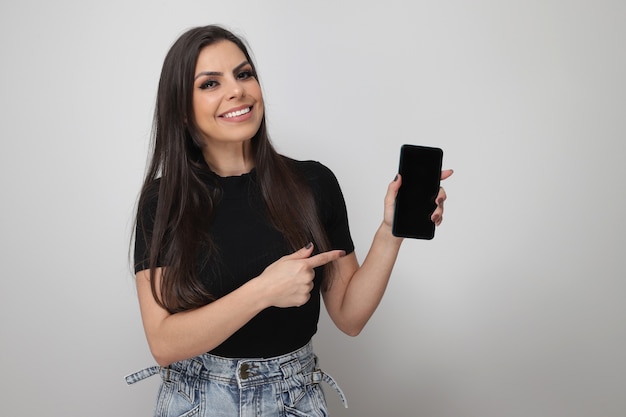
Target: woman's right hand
{"type": "Point", "coordinates": [288, 282]}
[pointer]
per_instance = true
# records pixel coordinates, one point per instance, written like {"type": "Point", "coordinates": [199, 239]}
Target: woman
{"type": "Point", "coordinates": [236, 243]}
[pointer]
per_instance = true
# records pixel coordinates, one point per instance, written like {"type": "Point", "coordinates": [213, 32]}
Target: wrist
{"type": "Point", "coordinates": [257, 291]}
{"type": "Point", "coordinates": [385, 232]}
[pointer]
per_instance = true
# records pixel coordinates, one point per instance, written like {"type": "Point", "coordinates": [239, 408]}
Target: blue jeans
{"type": "Point", "coordinates": [212, 386]}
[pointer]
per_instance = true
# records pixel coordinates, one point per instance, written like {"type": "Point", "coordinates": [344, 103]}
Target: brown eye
{"type": "Point", "coordinates": [244, 75]}
{"type": "Point", "coordinates": [208, 84]}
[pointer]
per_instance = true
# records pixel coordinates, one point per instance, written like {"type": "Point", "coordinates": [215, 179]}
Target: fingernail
{"type": "Point", "coordinates": [308, 245]}
{"type": "Point", "coordinates": [342, 254]}
{"type": "Point", "coordinates": [395, 178]}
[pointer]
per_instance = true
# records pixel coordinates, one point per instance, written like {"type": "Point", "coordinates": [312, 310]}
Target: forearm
{"type": "Point", "coordinates": [369, 282]}
{"type": "Point", "coordinates": [285, 283]}
{"type": "Point", "coordinates": [190, 333]}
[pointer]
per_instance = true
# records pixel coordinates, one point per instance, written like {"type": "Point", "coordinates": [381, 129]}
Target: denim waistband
{"type": "Point", "coordinates": [298, 367]}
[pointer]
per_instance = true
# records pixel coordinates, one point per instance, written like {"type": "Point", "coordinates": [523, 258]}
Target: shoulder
{"type": "Point", "coordinates": [148, 198]}
{"type": "Point", "coordinates": [322, 181]}
{"type": "Point", "coordinates": [314, 172]}
{"type": "Point", "coordinates": [150, 190]}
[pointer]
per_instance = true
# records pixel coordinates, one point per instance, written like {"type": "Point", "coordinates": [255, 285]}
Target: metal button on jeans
{"type": "Point", "coordinates": [244, 371]}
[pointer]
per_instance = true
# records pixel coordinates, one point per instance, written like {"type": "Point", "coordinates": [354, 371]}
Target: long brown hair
{"type": "Point", "coordinates": [185, 203]}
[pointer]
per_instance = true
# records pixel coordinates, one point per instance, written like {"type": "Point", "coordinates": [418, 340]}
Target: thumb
{"type": "Point", "coordinates": [302, 253]}
{"type": "Point", "coordinates": [392, 190]}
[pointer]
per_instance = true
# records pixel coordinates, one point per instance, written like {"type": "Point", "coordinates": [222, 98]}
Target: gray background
{"type": "Point", "coordinates": [515, 309]}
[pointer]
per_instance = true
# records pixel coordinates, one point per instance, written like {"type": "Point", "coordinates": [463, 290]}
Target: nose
{"type": "Point", "coordinates": [236, 90]}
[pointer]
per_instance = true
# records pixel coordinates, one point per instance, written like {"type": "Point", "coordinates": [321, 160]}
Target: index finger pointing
{"type": "Point", "coordinates": [446, 173]}
{"type": "Point", "coordinates": [325, 257]}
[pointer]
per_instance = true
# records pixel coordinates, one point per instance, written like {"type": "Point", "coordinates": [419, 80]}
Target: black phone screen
{"type": "Point", "coordinates": [420, 168]}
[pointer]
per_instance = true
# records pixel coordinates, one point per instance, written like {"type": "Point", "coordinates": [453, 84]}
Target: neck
{"type": "Point", "coordinates": [229, 159]}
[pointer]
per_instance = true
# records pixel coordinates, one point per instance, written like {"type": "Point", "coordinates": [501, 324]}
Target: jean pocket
{"type": "Point", "coordinates": [192, 413]}
{"type": "Point", "coordinates": [311, 404]}
{"type": "Point", "coordinates": [174, 400]}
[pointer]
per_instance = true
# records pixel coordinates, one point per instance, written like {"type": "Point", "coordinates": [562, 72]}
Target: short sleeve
{"type": "Point", "coordinates": [146, 213]}
{"type": "Point", "coordinates": [331, 205]}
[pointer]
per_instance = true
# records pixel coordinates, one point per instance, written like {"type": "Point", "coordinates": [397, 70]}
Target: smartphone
{"type": "Point", "coordinates": [420, 168]}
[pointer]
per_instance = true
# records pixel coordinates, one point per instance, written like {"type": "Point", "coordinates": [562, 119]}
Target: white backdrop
{"type": "Point", "coordinates": [516, 309]}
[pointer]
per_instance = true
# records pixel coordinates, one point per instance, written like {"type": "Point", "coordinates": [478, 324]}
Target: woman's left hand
{"type": "Point", "coordinates": [392, 191]}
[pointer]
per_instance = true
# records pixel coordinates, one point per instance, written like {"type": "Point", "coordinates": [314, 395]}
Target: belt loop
{"type": "Point", "coordinates": [143, 374]}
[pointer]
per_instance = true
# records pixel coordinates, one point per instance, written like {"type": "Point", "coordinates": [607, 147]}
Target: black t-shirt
{"type": "Point", "coordinates": [247, 243]}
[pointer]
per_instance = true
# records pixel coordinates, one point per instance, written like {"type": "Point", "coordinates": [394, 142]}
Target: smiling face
{"type": "Point", "coordinates": [227, 98]}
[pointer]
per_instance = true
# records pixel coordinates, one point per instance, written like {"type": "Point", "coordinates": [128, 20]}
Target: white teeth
{"type": "Point", "coordinates": [237, 113]}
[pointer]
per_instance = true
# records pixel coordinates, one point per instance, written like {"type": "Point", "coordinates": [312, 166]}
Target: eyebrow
{"type": "Point", "coordinates": [217, 73]}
